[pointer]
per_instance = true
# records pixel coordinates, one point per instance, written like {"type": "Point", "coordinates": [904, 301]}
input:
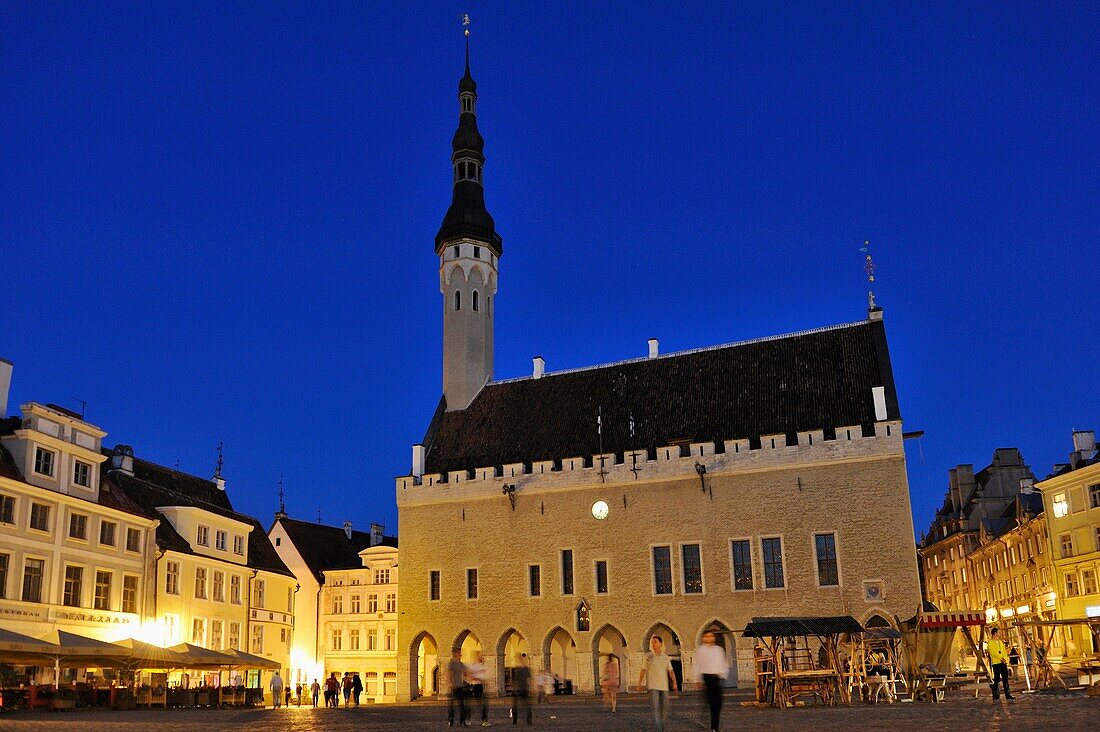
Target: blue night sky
{"type": "Point", "coordinates": [216, 219]}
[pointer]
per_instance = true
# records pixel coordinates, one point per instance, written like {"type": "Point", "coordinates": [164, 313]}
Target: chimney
{"type": "Point", "coordinates": [376, 534]}
{"type": "Point", "coordinates": [540, 367]}
{"type": "Point", "coordinates": [5, 385]}
{"type": "Point", "coordinates": [220, 481]}
{"type": "Point", "coordinates": [653, 348]}
{"type": "Point", "coordinates": [418, 460]}
{"type": "Point", "coordinates": [347, 529]}
{"type": "Point", "coordinates": [123, 459]}
{"type": "Point", "coordinates": [1083, 440]}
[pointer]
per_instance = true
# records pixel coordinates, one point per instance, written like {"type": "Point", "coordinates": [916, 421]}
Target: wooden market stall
{"type": "Point", "coordinates": [927, 640]}
{"type": "Point", "coordinates": [875, 668]}
{"type": "Point", "coordinates": [1038, 635]}
{"type": "Point", "coordinates": [789, 671]}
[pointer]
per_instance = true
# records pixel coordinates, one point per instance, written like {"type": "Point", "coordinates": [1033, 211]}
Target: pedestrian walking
{"type": "Point", "coordinates": [658, 677]}
{"type": "Point", "coordinates": [316, 689]}
{"type": "Point", "coordinates": [332, 691]}
{"type": "Point", "coordinates": [347, 688]}
{"type": "Point", "coordinates": [356, 687]}
{"type": "Point", "coordinates": [543, 680]}
{"type": "Point", "coordinates": [456, 675]}
{"type": "Point", "coordinates": [276, 686]}
{"type": "Point", "coordinates": [998, 661]}
{"type": "Point", "coordinates": [711, 667]}
{"type": "Point", "coordinates": [288, 693]}
{"type": "Point", "coordinates": [298, 692]}
{"type": "Point", "coordinates": [609, 682]}
{"type": "Point", "coordinates": [478, 674]}
{"type": "Point", "coordinates": [521, 689]}
{"type": "Point", "coordinates": [1014, 660]}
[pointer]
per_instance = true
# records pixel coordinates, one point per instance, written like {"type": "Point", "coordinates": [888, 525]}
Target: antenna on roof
{"type": "Point", "coordinates": [83, 406]}
{"type": "Point", "coordinates": [221, 461]}
{"type": "Point", "coordinates": [318, 514]}
{"type": "Point", "coordinates": [869, 268]}
{"type": "Point", "coordinates": [282, 497]}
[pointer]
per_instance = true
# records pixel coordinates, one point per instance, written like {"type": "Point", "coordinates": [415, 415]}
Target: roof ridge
{"type": "Point", "coordinates": [170, 470]}
{"type": "Point", "coordinates": [190, 499]}
{"type": "Point", "coordinates": [688, 352]}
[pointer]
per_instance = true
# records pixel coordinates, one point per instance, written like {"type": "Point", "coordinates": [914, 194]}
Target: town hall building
{"type": "Point", "coordinates": [573, 515]}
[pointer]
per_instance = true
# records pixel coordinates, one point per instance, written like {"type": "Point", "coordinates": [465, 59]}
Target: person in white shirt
{"type": "Point", "coordinates": [658, 677]}
{"type": "Point", "coordinates": [711, 666]}
{"type": "Point", "coordinates": [478, 674]}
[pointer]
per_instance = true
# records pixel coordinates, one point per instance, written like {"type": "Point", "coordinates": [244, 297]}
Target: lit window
{"type": "Point", "coordinates": [662, 570]}
{"type": "Point", "coordinates": [1061, 507]}
{"type": "Point", "coordinates": [772, 549]}
{"type": "Point", "coordinates": [693, 569]}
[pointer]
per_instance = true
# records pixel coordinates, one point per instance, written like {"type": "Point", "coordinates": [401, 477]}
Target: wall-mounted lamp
{"type": "Point", "coordinates": [509, 490]}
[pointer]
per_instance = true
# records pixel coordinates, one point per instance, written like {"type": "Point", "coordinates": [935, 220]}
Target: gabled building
{"type": "Point", "coordinates": [218, 581]}
{"type": "Point", "coordinates": [347, 605]}
{"type": "Point", "coordinates": [1071, 495]}
{"type": "Point", "coordinates": [573, 515]}
{"type": "Point", "coordinates": [73, 551]}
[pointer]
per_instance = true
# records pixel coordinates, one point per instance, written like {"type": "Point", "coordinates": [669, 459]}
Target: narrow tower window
{"type": "Point", "coordinates": [458, 300]}
{"type": "Point", "coordinates": [457, 251]}
{"type": "Point", "coordinates": [475, 301]}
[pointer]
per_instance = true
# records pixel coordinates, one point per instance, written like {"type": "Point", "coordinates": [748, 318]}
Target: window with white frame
{"type": "Point", "coordinates": [261, 588]}
{"type": "Point", "coordinates": [172, 578]}
{"type": "Point", "coordinates": [82, 474]}
{"type": "Point", "coordinates": [692, 566]}
{"type": "Point", "coordinates": [133, 540]}
{"type": "Point", "coordinates": [1073, 589]}
{"type": "Point", "coordinates": [353, 639]}
{"type": "Point", "coordinates": [200, 583]}
{"type": "Point", "coordinates": [238, 544]}
{"type": "Point", "coordinates": [216, 634]}
{"type": "Point", "coordinates": [1088, 581]}
{"type": "Point", "coordinates": [218, 586]}
{"type": "Point", "coordinates": [40, 517]}
{"type": "Point", "coordinates": [78, 526]}
{"type": "Point", "coordinates": [337, 640]}
{"type": "Point", "coordinates": [129, 593]}
{"type": "Point", "coordinates": [5, 568]}
{"type": "Point", "coordinates": [828, 574]}
{"type": "Point", "coordinates": [74, 579]}
{"type": "Point", "coordinates": [662, 570]}
{"type": "Point", "coordinates": [107, 531]}
{"type": "Point", "coordinates": [103, 580]}
{"type": "Point", "coordinates": [7, 509]}
{"type": "Point", "coordinates": [219, 539]}
{"type": "Point", "coordinates": [257, 638]}
{"type": "Point", "coordinates": [355, 604]}
{"type": "Point", "coordinates": [372, 603]}
{"type": "Point", "coordinates": [337, 604]}
{"type": "Point", "coordinates": [202, 536]}
{"type": "Point", "coordinates": [771, 548]}
{"type": "Point", "coordinates": [381, 576]}
{"type": "Point", "coordinates": [390, 639]}
{"type": "Point", "coordinates": [234, 640]}
{"type": "Point", "coordinates": [1065, 543]}
{"type": "Point", "coordinates": [198, 631]}
{"type": "Point", "coordinates": [741, 552]}
{"type": "Point", "coordinates": [1094, 496]}
{"type": "Point", "coordinates": [235, 589]}
{"type": "Point", "coordinates": [372, 639]}
{"type": "Point", "coordinates": [1061, 506]}
{"type": "Point", "coordinates": [44, 462]}
{"type": "Point", "coordinates": [391, 602]}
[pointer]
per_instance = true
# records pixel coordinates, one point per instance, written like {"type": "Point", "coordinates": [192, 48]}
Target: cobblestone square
{"type": "Point", "coordinates": [1027, 713]}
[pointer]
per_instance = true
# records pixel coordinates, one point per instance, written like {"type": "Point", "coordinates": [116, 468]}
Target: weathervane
{"type": "Point", "coordinates": [282, 495]}
{"type": "Point", "coordinates": [221, 461]}
{"type": "Point", "coordinates": [869, 268]}
{"type": "Point", "coordinates": [466, 24]}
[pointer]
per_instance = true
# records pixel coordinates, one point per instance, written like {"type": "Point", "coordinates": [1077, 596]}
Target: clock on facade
{"type": "Point", "coordinates": [599, 510]}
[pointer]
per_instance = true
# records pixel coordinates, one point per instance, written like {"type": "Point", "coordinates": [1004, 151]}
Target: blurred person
{"type": "Point", "coordinates": [711, 667]}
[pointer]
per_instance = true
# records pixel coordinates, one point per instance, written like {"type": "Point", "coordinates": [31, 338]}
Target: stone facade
{"type": "Point", "coordinates": [853, 489]}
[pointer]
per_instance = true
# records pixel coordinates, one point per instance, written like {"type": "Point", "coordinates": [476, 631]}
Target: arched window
{"type": "Point", "coordinates": [458, 300]}
{"type": "Point", "coordinates": [475, 301]}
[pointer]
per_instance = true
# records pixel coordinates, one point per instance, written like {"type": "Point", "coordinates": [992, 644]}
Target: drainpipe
{"type": "Point", "coordinates": [248, 623]}
{"type": "Point", "coordinates": [317, 628]}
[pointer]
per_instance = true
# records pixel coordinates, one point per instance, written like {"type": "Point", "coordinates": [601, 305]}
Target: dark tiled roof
{"type": "Point", "coordinates": [154, 485]}
{"type": "Point", "coordinates": [328, 547]}
{"type": "Point", "coordinates": [783, 627]}
{"type": "Point", "coordinates": [804, 381]}
{"type": "Point", "coordinates": [8, 468]}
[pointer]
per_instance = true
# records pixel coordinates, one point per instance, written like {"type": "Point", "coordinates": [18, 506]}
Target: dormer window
{"type": "Point", "coordinates": [202, 537]}
{"type": "Point", "coordinates": [238, 544]}
{"type": "Point", "coordinates": [82, 474]}
{"type": "Point", "coordinates": [43, 462]}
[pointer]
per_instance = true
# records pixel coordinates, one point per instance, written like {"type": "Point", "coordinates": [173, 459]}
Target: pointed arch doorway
{"type": "Point", "coordinates": [609, 645]}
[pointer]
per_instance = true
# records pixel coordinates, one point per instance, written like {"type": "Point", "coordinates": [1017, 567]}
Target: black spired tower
{"type": "Point", "coordinates": [469, 250]}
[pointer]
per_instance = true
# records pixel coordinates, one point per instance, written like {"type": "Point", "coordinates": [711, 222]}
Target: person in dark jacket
{"type": "Point", "coordinates": [356, 687]}
{"type": "Point", "coordinates": [521, 689]}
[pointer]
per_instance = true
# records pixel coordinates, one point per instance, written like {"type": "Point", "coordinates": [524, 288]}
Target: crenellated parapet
{"type": "Point", "coordinates": [686, 460]}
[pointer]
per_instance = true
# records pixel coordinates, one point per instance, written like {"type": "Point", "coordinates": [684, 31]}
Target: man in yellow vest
{"type": "Point", "coordinates": [998, 661]}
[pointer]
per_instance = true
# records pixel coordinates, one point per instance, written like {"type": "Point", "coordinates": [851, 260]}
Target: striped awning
{"type": "Point", "coordinates": [952, 620]}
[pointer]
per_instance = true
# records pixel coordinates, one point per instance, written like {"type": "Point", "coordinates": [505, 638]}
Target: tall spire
{"type": "Point", "coordinates": [467, 217]}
